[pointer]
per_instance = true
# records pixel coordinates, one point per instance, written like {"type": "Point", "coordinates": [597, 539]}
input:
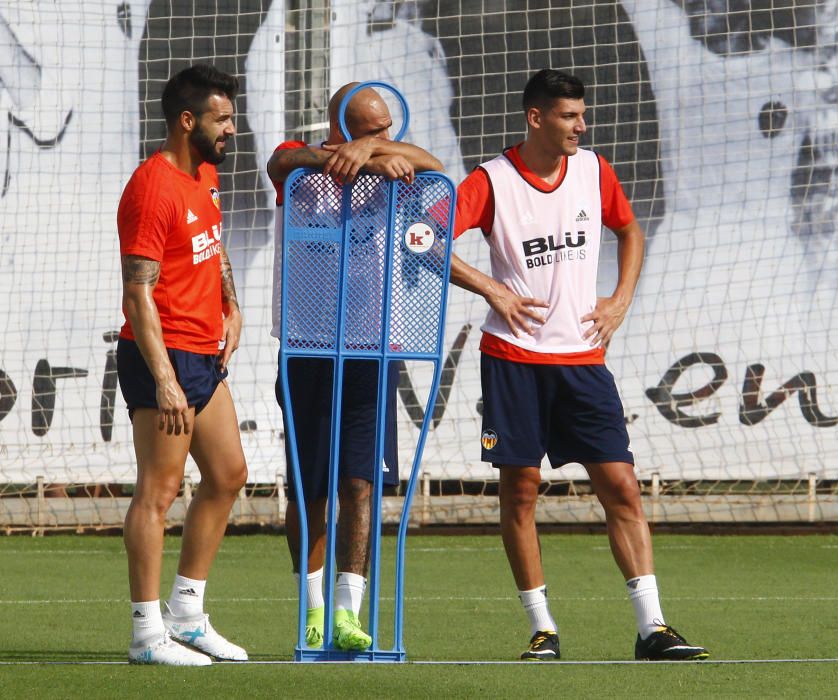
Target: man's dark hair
{"type": "Point", "coordinates": [548, 85]}
{"type": "Point", "coordinates": [189, 90]}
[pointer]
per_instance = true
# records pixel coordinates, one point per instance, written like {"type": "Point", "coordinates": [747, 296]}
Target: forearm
{"type": "Point", "coordinates": [282, 162]}
{"type": "Point", "coordinates": [630, 246]}
{"type": "Point", "coordinates": [520, 313]}
{"type": "Point", "coordinates": [419, 158]}
{"type": "Point", "coordinates": [609, 312]}
{"type": "Point", "coordinates": [141, 312]}
{"type": "Point", "coordinates": [139, 277]}
{"type": "Point", "coordinates": [471, 279]}
{"type": "Point", "coordinates": [229, 300]}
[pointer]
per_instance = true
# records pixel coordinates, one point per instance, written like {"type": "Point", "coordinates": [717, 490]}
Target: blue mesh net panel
{"type": "Point", "coordinates": [366, 235]}
{"type": "Point", "coordinates": [311, 270]}
{"type": "Point", "coordinates": [363, 261]}
{"type": "Point", "coordinates": [420, 239]}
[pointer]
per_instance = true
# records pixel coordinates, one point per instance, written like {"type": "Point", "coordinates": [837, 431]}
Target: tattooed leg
{"type": "Point", "coordinates": [353, 530]}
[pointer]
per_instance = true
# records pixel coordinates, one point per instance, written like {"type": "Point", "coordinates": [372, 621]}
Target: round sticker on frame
{"type": "Point", "coordinates": [419, 238]}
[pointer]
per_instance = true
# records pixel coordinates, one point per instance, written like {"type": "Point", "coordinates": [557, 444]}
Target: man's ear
{"type": "Point", "coordinates": [534, 117]}
{"type": "Point", "coordinates": [187, 121]}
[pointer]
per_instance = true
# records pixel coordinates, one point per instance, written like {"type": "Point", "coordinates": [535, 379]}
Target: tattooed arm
{"type": "Point", "coordinates": [282, 162]}
{"type": "Point", "coordinates": [139, 277]}
{"type": "Point", "coordinates": [393, 159]}
{"type": "Point", "coordinates": [232, 313]}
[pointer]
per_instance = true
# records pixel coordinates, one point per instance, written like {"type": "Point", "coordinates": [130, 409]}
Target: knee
{"type": "Point", "coordinates": [239, 479]}
{"type": "Point", "coordinates": [228, 483]}
{"type": "Point", "coordinates": [156, 495]}
{"type": "Point", "coordinates": [623, 494]}
{"type": "Point", "coordinates": [352, 490]}
{"type": "Point", "coordinates": [519, 493]}
{"type": "Point", "coordinates": [236, 478]}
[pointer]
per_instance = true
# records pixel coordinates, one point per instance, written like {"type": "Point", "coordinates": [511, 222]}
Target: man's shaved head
{"type": "Point", "coordinates": [367, 113]}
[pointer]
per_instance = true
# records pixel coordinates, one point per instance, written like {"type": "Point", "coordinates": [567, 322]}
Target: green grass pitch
{"type": "Point", "coordinates": [63, 599]}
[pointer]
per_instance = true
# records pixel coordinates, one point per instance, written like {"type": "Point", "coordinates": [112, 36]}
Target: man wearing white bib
{"type": "Point", "coordinates": [541, 206]}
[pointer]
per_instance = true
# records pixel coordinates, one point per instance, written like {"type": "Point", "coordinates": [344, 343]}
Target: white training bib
{"type": "Point", "coordinates": [546, 245]}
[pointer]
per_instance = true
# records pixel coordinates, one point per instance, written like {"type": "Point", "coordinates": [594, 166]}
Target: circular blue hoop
{"type": "Point", "coordinates": [344, 103]}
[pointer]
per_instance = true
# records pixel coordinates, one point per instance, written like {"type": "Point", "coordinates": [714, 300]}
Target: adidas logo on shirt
{"type": "Point", "coordinates": [190, 217]}
{"type": "Point", "coordinates": [582, 216]}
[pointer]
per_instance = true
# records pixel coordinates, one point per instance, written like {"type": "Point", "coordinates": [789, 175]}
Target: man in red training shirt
{"type": "Point", "coordinates": [182, 324]}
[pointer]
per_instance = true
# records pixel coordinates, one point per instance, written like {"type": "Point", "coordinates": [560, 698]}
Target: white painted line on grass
{"type": "Point", "coordinates": [705, 662]}
{"type": "Point", "coordinates": [497, 549]}
{"type": "Point", "coordinates": [115, 552]}
{"type": "Point", "coordinates": [438, 599]}
{"type": "Point", "coordinates": [530, 664]}
{"type": "Point", "coordinates": [428, 550]}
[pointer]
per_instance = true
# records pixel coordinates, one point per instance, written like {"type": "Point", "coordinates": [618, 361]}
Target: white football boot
{"type": "Point", "coordinates": [198, 633]}
{"type": "Point", "coordinates": [163, 650]}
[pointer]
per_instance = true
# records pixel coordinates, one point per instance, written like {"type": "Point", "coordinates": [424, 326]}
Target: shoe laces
{"type": "Point", "coordinates": [163, 641]}
{"type": "Point", "coordinates": [539, 638]}
{"type": "Point", "coordinates": [351, 621]}
{"type": "Point", "coordinates": [668, 630]}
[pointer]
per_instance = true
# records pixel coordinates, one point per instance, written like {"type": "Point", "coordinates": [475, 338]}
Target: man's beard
{"type": "Point", "coordinates": [206, 147]}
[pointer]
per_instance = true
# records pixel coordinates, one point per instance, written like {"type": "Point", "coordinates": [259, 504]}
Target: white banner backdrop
{"type": "Point", "coordinates": [727, 362]}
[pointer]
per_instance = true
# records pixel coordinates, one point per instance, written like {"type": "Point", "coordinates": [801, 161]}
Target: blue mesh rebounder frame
{"type": "Point", "coordinates": [365, 272]}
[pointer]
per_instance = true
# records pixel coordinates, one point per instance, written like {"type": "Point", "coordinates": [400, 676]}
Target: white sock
{"type": "Point", "coordinates": [535, 605]}
{"type": "Point", "coordinates": [147, 620]}
{"type": "Point", "coordinates": [187, 598]}
{"type": "Point", "coordinates": [643, 593]}
{"type": "Point", "coordinates": [314, 586]}
{"type": "Point", "coordinates": [349, 592]}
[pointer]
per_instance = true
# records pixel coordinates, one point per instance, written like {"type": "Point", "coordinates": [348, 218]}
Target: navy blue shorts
{"type": "Point", "coordinates": [310, 381]}
{"type": "Point", "coordinates": [571, 413]}
{"type": "Point", "coordinates": [198, 376]}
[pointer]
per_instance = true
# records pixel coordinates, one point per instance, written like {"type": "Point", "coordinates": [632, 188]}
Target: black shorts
{"type": "Point", "coordinates": [198, 376]}
{"type": "Point", "coordinates": [310, 381]}
{"type": "Point", "coordinates": [572, 413]}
